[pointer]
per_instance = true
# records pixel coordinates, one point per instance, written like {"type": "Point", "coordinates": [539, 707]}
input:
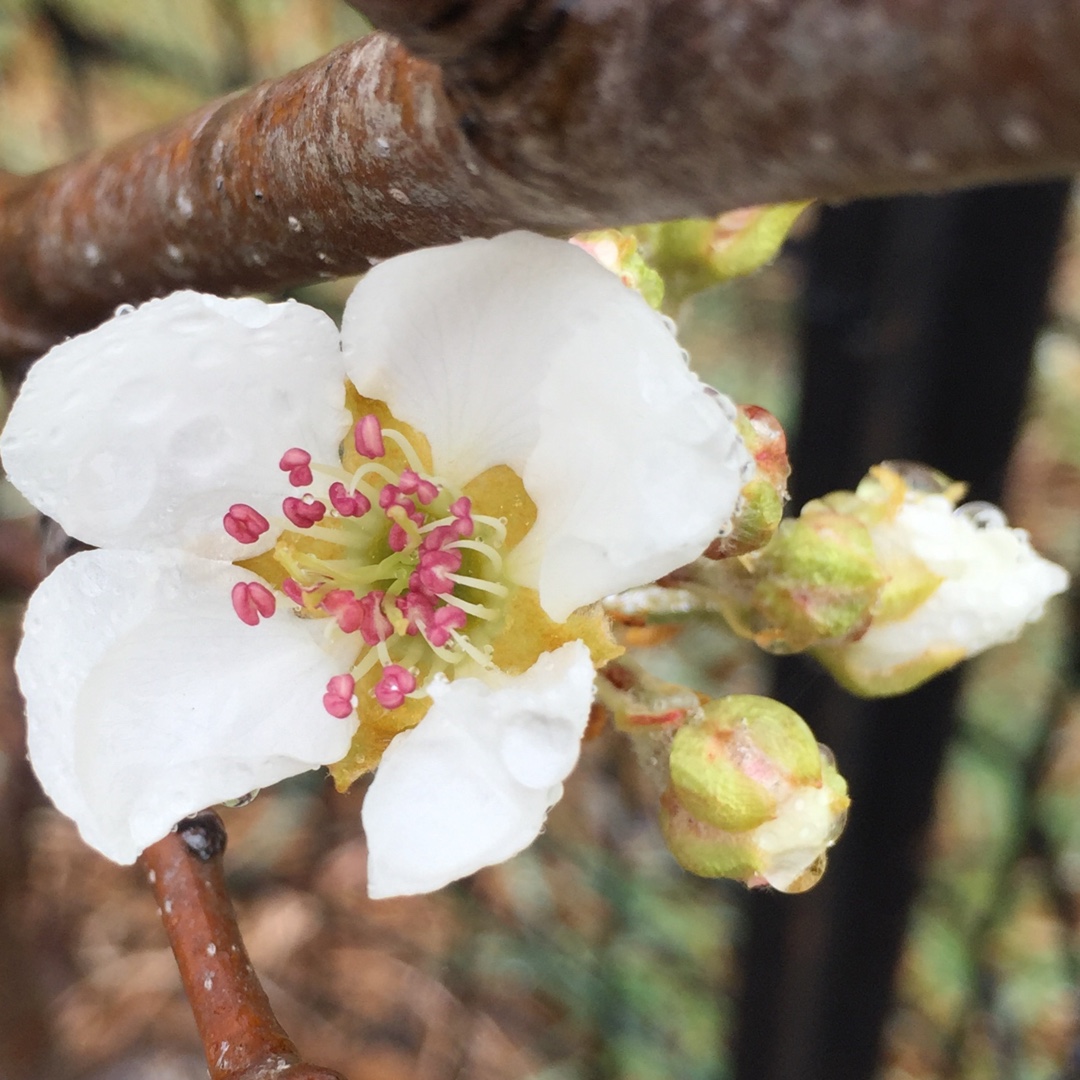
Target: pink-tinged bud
{"type": "Point", "coordinates": [356, 504]}
{"type": "Point", "coordinates": [762, 498]}
{"type": "Point", "coordinates": [395, 684]}
{"type": "Point", "coordinates": [338, 699]}
{"type": "Point", "coordinates": [244, 523]}
{"type": "Point", "coordinates": [296, 463]}
{"type": "Point", "coordinates": [367, 437]}
{"type": "Point", "coordinates": [303, 514]}
{"type": "Point", "coordinates": [752, 795]}
{"type": "Point", "coordinates": [252, 600]}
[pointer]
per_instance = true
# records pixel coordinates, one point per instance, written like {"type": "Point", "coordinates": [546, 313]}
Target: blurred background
{"type": "Point", "coordinates": [943, 941]}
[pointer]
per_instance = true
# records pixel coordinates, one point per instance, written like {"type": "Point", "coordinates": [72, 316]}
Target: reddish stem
{"type": "Point", "coordinates": [241, 1036]}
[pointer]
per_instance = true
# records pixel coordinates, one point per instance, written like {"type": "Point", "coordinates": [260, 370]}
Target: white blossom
{"type": "Point", "coordinates": [169, 436]}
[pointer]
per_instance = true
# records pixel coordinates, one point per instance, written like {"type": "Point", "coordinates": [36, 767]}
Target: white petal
{"type": "Point", "coordinates": [524, 351]}
{"type": "Point", "coordinates": [472, 783]}
{"type": "Point", "coordinates": [147, 699]}
{"type": "Point", "coordinates": [994, 584]}
{"type": "Point", "coordinates": [142, 433]}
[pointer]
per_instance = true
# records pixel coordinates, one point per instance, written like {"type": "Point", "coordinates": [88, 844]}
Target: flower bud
{"type": "Point", "coordinates": [816, 580]}
{"type": "Point", "coordinates": [959, 580]}
{"type": "Point", "coordinates": [752, 795]}
{"type": "Point", "coordinates": [761, 501]}
{"type": "Point", "coordinates": [618, 251]}
{"type": "Point", "coordinates": [695, 253]}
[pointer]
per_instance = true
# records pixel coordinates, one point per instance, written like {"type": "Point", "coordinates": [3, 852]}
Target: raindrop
{"type": "Point", "coordinates": [294, 224]}
{"type": "Point", "coordinates": [920, 477]}
{"type": "Point", "coordinates": [397, 193]}
{"type": "Point", "coordinates": [124, 309]}
{"type": "Point", "coordinates": [983, 515]}
{"type": "Point", "coordinates": [244, 799]}
{"type": "Point", "coordinates": [384, 146]}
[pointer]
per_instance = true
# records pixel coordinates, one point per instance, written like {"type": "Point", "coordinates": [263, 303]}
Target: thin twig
{"type": "Point", "coordinates": [241, 1036]}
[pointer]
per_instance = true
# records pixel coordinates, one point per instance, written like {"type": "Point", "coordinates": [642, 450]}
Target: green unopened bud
{"type": "Point", "coordinates": [618, 251]}
{"type": "Point", "coordinates": [695, 253]}
{"type": "Point", "coordinates": [817, 580]}
{"type": "Point", "coordinates": [761, 501]}
{"type": "Point", "coordinates": [752, 795]}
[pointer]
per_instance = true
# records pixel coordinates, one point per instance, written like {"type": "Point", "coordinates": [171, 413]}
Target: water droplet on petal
{"type": "Point", "coordinates": [983, 515]}
{"type": "Point", "coordinates": [920, 477]}
{"type": "Point", "coordinates": [243, 800]}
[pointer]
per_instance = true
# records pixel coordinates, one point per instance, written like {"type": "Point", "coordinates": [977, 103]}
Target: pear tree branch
{"type": "Point", "coordinates": [546, 115]}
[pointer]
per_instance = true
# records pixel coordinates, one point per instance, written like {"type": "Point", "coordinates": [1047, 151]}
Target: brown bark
{"type": "Point", "coordinates": [555, 116]}
{"type": "Point", "coordinates": [240, 1034]}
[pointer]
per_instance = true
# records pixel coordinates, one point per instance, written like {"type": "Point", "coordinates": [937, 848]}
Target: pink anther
{"type": "Point", "coordinates": [367, 435]}
{"type": "Point", "coordinates": [462, 511]}
{"type": "Point", "coordinates": [412, 483]}
{"type": "Point", "coordinates": [250, 600]}
{"type": "Point", "coordinates": [444, 620]}
{"type": "Point", "coordinates": [244, 523]}
{"type": "Point", "coordinates": [418, 609]}
{"type": "Point", "coordinates": [355, 505]}
{"type": "Point", "coordinates": [296, 463]}
{"type": "Point", "coordinates": [395, 683]}
{"type": "Point", "coordinates": [432, 574]}
{"type": "Point", "coordinates": [397, 538]}
{"type": "Point", "coordinates": [292, 590]}
{"type": "Point", "coordinates": [374, 625]}
{"type": "Point", "coordinates": [303, 514]}
{"type": "Point", "coordinates": [338, 699]}
{"type": "Point", "coordinates": [345, 607]}
{"type": "Point", "coordinates": [439, 537]}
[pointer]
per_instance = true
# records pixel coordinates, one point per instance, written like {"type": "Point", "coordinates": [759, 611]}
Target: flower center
{"type": "Point", "coordinates": [395, 559]}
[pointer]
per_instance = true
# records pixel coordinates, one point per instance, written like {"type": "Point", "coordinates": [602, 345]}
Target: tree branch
{"type": "Point", "coordinates": [555, 116]}
{"type": "Point", "coordinates": [240, 1034]}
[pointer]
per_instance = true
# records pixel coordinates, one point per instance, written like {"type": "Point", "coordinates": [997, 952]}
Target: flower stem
{"type": "Point", "coordinates": [241, 1037]}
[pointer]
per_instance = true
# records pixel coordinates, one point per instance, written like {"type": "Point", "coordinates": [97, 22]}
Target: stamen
{"type": "Point", "coordinates": [406, 447]}
{"type": "Point", "coordinates": [303, 514]}
{"type": "Point", "coordinates": [463, 643]}
{"type": "Point", "coordinates": [432, 574]}
{"type": "Point", "coordinates": [447, 619]}
{"type": "Point", "coordinates": [245, 523]}
{"type": "Point", "coordinates": [297, 463]}
{"type": "Point", "coordinates": [498, 524]}
{"type": "Point", "coordinates": [355, 505]}
{"type": "Point", "coordinates": [486, 550]}
{"type": "Point", "coordinates": [345, 607]}
{"type": "Point", "coordinates": [375, 627]}
{"type": "Point", "coordinates": [367, 436]}
{"type": "Point", "coordinates": [252, 599]}
{"type": "Point", "coordinates": [395, 683]}
{"type": "Point", "coordinates": [461, 509]}
{"type": "Point", "coordinates": [480, 584]}
{"type": "Point", "coordinates": [475, 609]}
{"type": "Point", "coordinates": [411, 483]}
{"type": "Point", "coordinates": [338, 699]}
